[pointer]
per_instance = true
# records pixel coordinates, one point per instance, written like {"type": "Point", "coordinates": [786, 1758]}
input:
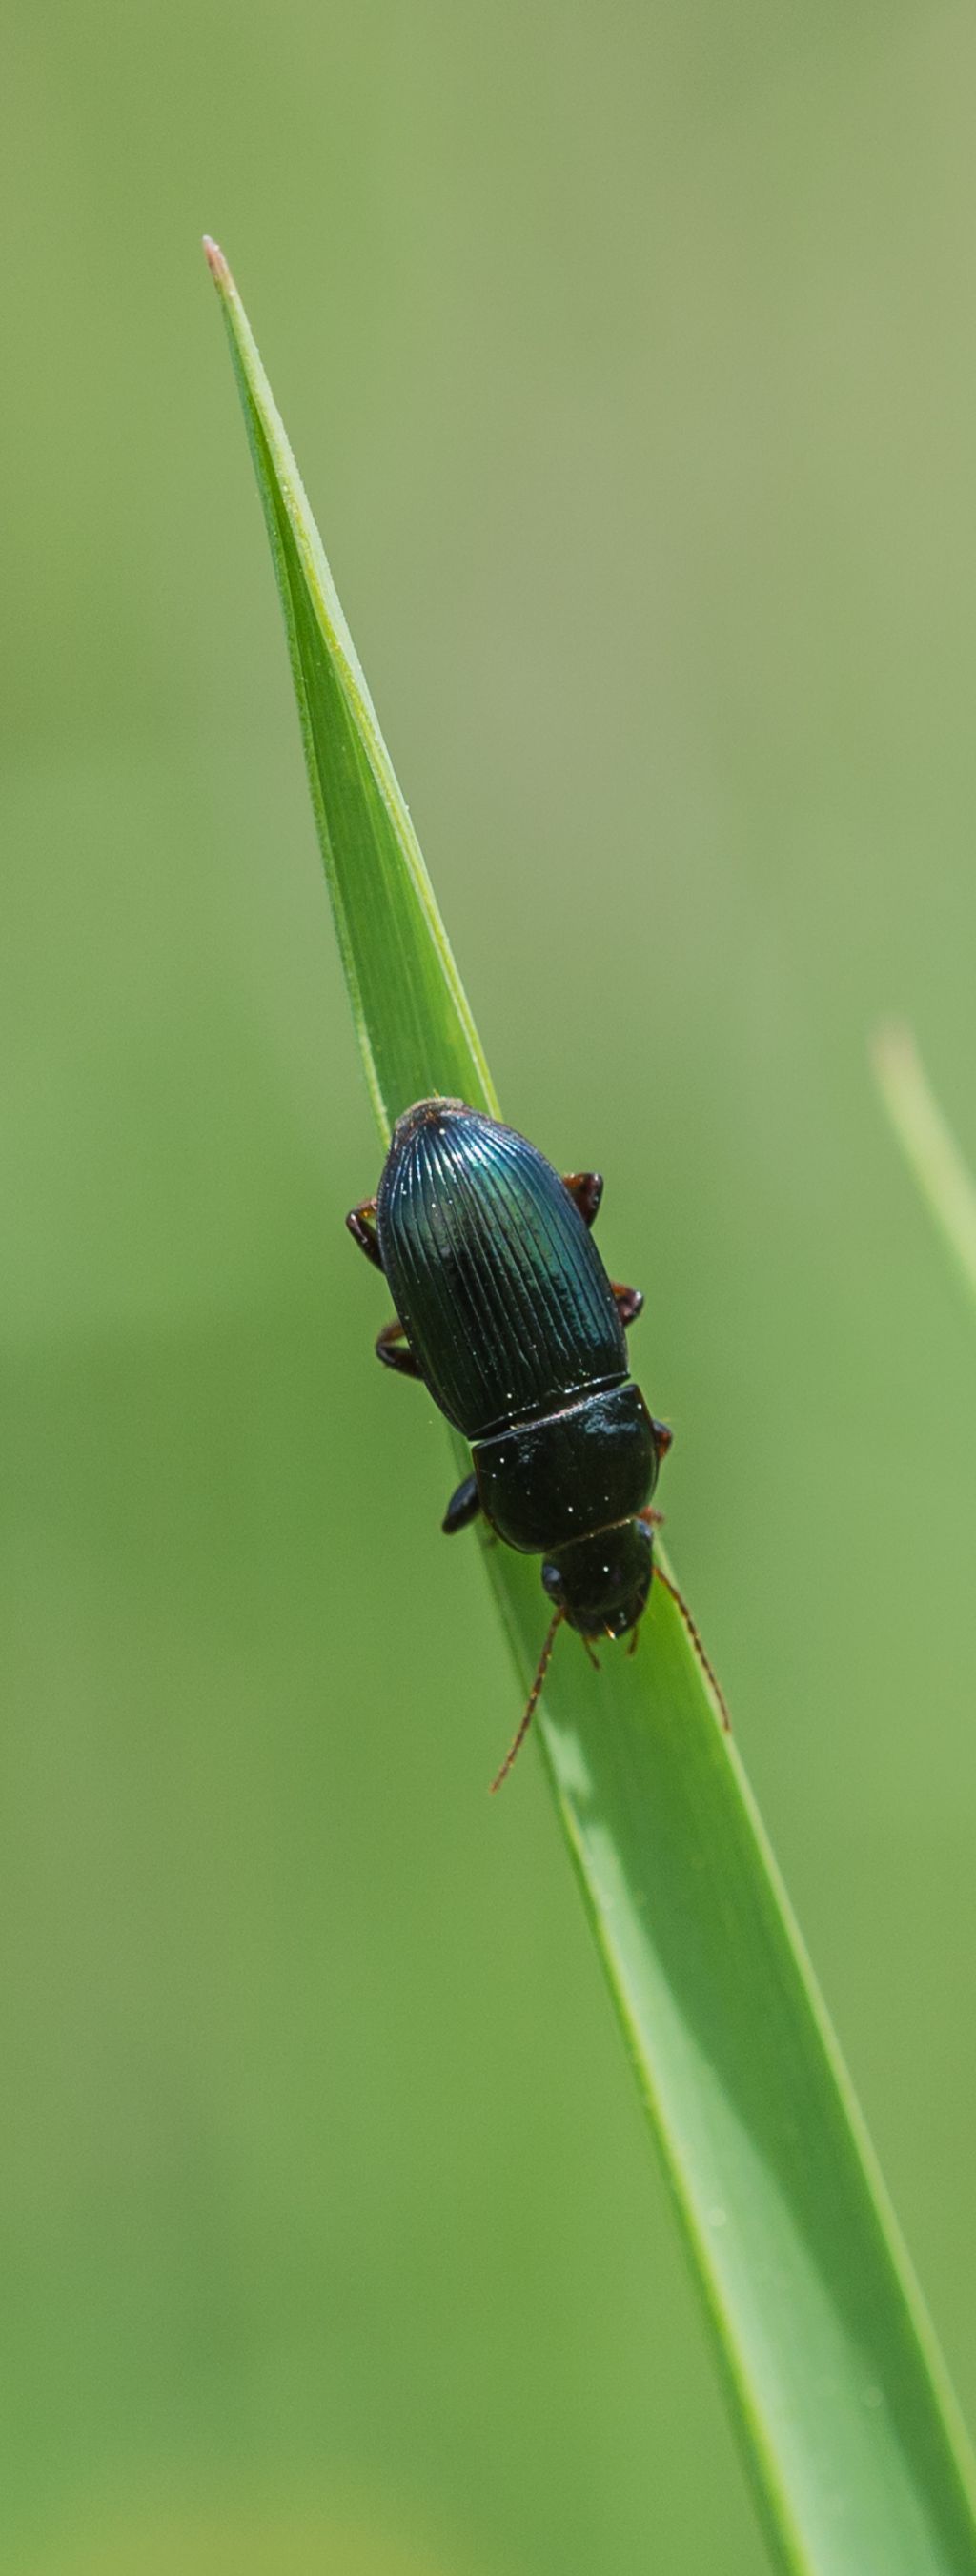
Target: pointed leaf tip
{"type": "Point", "coordinates": [893, 1043]}
{"type": "Point", "coordinates": [215, 261]}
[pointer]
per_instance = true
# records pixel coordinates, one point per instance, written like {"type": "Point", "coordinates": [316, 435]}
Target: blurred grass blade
{"type": "Point", "coordinates": [849, 2430]}
{"type": "Point", "coordinates": [928, 1143]}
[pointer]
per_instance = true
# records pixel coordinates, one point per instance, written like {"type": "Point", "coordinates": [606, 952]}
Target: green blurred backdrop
{"type": "Point", "coordinates": [629, 357]}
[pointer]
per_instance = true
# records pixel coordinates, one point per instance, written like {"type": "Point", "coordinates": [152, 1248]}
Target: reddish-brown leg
{"type": "Point", "coordinates": [393, 1348]}
{"type": "Point", "coordinates": [663, 1436]}
{"type": "Point", "coordinates": [630, 1302]}
{"type": "Point", "coordinates": [361, 1222]}
{"type": "Point", "coordinates": [587, 1190]}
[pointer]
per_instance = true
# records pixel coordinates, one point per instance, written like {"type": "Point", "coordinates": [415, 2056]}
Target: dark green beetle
{"type": "Point", "coordinates": [504, 1309]}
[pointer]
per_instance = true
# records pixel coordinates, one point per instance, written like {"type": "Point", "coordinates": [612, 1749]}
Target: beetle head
{"type": "Point", "coordinates": [601, 1584]}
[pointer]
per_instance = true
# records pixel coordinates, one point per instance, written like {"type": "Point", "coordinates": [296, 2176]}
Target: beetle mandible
{"type": "Point", "coordinates": [505, 1311]}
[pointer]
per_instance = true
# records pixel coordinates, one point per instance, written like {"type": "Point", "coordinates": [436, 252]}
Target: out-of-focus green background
{"type": "Point", "coordinates": [630, 358]}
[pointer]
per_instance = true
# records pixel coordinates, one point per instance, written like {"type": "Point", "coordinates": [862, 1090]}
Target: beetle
{"type": "Point", "coordinates": [505, 1311]}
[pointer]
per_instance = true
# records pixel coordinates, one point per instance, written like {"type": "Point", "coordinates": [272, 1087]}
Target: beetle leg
{"type": "Point", "coordinates": [463, 1507]}
{"type": "Point", "coordinates": [663, 1436]}
{"type": "Point", "coordinates": [630, 1302]}
{"type": "Point", "coordinates": [587, 1190]}
{"type": "Point", "coordinates": [361, 1222]}
{"type": "Point", "coordinates": [393, 1348]}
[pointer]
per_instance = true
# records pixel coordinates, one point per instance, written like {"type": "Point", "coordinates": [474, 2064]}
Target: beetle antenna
{"type": "Point", "coordinates": [696, 1642]}
{"type": "Point", "coordinates": [532, 1703]}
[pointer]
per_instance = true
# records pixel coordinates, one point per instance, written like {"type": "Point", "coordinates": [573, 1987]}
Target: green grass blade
{"type": "Point", "coordinates": [928, 1144]}
{"type": "Point", "coordinates": [849, 2429]}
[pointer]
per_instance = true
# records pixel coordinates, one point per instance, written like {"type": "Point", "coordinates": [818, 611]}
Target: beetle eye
{"type": "Point", "coordinates": [552, 1582]}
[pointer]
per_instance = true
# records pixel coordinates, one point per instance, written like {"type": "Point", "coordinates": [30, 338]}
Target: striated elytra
{"type": "Point", "coordinates": [505, 1311]}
